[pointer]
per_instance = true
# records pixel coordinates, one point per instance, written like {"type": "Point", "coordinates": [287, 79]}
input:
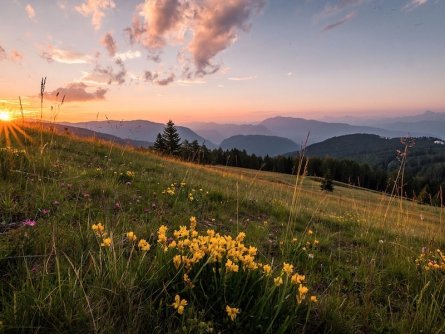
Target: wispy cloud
{"type": "Point", "coordinates": [187, 82]}
{"type": "Point", "coordinates": [413, 4]}
{"type": "Point", "coordinates": [340, 22]}
{"type": "Point", "coordinates": [247, 78]}
{"type": "Point", "coordinates": [332, 9]}
{"type": "Point", "coordinates": [128, 55]}
{"type": "Point", "coordinates": [95, 8]}
{"type": "Point", "coordinates": [30, 11]}
{"type": "Point", "coordinates": [51, 54]}
{"type": "Point", "coordinates": [106, 75]}
{"type": "Point", "coordinates": [110, 44]}
{"type": "Point", "coordinates": [155, 78]}
{"type": "Point", "coordinates": [14, 55]}
{"type": "Point", "coordinates": [3, 54]}
{"type": "Point", "coordinates": [77, 91]}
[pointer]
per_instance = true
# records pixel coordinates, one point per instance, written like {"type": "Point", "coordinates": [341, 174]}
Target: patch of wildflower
{"type": "Point", "coordinates": [131, 236]}
{"type": "Point", "coordinates": [144, 245]}
{"type": "Point", "coordinates": [232, 312]}
{"type": "Point", "coordinates": [179, 304]}
{"type": "Point", "coordinates": [431, 260]}
{"type": "Point", "coordinates": [126, 177]}
{"type": "Point", "coordinates": [29, 222]}
{"type": "Point", "coordinates": [278, 281]}
{"type": "Point", "coordinates": [98, 229]}
{"type": "Point", "coordinates": [106, 242]}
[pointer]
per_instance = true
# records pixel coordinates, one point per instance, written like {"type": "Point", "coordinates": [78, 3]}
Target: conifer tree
{"type": "Point", "coordinates": [327, 184]}
{"type": "Point", "coordinates": [159, 144]}
{"type": "Point", "coordinates": [171, 139]}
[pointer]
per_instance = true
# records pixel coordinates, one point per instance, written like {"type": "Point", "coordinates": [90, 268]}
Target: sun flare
{"type": "Point", "coordinates": [5, 116]}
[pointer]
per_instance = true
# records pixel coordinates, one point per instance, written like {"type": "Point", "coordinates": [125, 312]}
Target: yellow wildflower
{"type": "Point", "coordinates": [302, 291]}
{"type": "Point", "coordinates": [177, 261]}
{"type": "Point", "coordinates": [267, 269]}
{"type": "Point", "coordinates": [106, 242]}
{"type": "Point", "coordinates": [314, 299]}
{"type": "Point", "coordinates": [98, 229]}
{"type": "Point", "coordinates": [144, 245]}
{"type": "Point", "coordinates": [310, 232]}
{"type": "Point", "coordinates": [297, 278]}
{"type": "Point", "coordinates": [232, 312]}
{"type": "Point", "coordinates": [278, 281]}
{"type": "Point", "coordinates": [131, 236]}
{"type": "Point", "coordinates": [192, 222]}
{"type": "Point", "coordinates": [179, 304]}
{"type": "Point", "coordinates": [231, 266]}
{"type": "Point", "coordinates": [288, 268]}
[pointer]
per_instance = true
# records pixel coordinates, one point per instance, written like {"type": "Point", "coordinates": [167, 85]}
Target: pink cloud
{"type": "Point", "coordinates": [340, 22]}
{"type": "Point", "coordinates": [65, 56]}
{"type": "Point", "coordinates": [413, 4]}
{"type": "Point", "coordinates": [77, 91]}
{"type": "Point", "coordinates": [110, 44]}
{"type": "Point", "coordinates": [213, 24]}
{"type": "Point", "coordinates": [16, 56]}
{"type": "Point", "coordinates": [95, 8]}
{"type": "Point", "coordinates": [30, 11]}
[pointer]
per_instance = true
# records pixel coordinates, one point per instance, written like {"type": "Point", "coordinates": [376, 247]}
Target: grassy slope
{"type": "Point", "coordinates": [362, 271]}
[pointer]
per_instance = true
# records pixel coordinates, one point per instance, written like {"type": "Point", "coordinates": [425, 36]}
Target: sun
{"type": "Point", "coordinates": [5, 116]}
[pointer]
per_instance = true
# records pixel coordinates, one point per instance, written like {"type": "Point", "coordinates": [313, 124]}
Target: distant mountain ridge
{"type": "Point", "coordinates": [259, 145]}
{"type": "Point", "coordinates": [139, 130]}
{"type": "Point", "coordinates": [372, 149]}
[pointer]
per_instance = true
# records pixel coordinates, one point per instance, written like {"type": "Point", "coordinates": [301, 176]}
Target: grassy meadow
{"type": "Point", "coordinates": [96, 237]}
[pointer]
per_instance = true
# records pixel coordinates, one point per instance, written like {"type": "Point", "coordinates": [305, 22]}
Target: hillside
{"type": "Point", "coordinates": [102, 238]}
{"type": "Point", "coordinates": [139, 130]}
{"type": "Point", "coordinates": [259, 145]}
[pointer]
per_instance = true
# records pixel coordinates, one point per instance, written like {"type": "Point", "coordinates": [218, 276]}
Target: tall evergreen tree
{"type": "Point", "coordinates": [171, 139]}
{"type": "Point", "coordinates": [159, 144]}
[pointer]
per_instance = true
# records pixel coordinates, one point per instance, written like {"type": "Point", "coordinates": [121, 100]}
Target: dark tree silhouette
{"type": "Point", "coordinates": [171, 139]}
{"type": "Point", "coordinates": [159, 144]}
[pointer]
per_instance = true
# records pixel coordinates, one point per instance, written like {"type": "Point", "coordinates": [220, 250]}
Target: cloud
{"type": "Point", "coordinates": [186, 82]}
{"type": "Point", "coordinates": [64, 56]}
{"type": "Point", "coordinates": [215, 29]}
{"type": "Point", "coordinates": [110, 44]}
{"type": "Point", "coordinates": [154, 78]}
{"type": "Point", "coordinates": [30, 11]}
{"type": "Point", "coordinates": [212, 25]}
{"type": "Point", "coordinates": [339, 23]}
{"type": "Point", "coordinates": [95, 8]}
{"type": "Point", "coordinates": [252, 77]}
{"type": "Point", "coordinates": [3, 54]}
{"type": "Point", "coordinates": [106, 75]}
{"type": "Point", "coordinates": [155, 20]}
{"type": "Point", "coordinates": [336, 8]}
{"type": "Point", "coordinates": [413, 4]}
{"type": "Point", "coordinates": [128, 55]}
{"type": "Point", "coordinates": [15, 56]}
{"type": "Point", "coordinates": [77, 91]}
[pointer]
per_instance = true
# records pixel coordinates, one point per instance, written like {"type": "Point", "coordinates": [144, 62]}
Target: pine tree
{"type": "Point", "coordinates": [159, 144]}
{"type": "Point", "coordinates": [327, 184]}
{"type": "Point", "coordinates": [171, 139]}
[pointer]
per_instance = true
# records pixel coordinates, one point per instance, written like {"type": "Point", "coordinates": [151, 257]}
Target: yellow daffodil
{"type": "Point", "coordinates": [232, 312]}
{"type": "Point", "coordinates": [179, 304]}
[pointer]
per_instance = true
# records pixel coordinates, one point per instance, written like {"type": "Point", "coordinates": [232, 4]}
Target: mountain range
{"type": "Point", "coordinates": [272, 136]}
{"type": "Point", "coordinates": [140, 130]}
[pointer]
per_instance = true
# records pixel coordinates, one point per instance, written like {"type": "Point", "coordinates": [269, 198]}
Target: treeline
{"type": "Point", "coordinates": [341, 170]}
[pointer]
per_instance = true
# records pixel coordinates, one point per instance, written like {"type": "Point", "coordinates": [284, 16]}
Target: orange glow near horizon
{"type": "Point", "coordinates": [5, 116]}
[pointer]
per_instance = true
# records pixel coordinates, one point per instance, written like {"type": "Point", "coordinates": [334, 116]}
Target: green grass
{"type": "Point", "coordinates": [55, 277]}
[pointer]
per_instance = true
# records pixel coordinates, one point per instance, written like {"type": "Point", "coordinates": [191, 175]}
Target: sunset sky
{"type": "Point", "coordinates": [224, 61]}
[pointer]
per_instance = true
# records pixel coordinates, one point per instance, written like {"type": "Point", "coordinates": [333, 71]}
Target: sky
{"type": "Point", "coordinates": [231, 61]}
